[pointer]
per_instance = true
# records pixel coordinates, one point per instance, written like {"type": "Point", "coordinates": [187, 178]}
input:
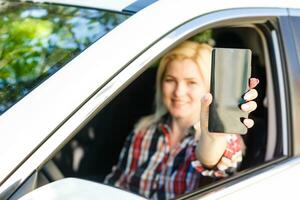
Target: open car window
{"type": "Point", "coordinates": [36, 40]}
{"type": "Point", "coordinates": [96, 147]}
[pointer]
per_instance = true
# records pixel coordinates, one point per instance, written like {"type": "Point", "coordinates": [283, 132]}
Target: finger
{"type": "Point", "coordinates": [248, 123]}
{"type": "Point", "coordinates": [251, 95]}
{"type": "Point", "coordinates": [205, 102]}
{"type": "Point", "coordinates": [253, 82]}
{"type": "Point", "coordinates": [249, 106]}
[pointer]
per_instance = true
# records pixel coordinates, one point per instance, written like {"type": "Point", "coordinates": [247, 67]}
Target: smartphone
{"type": "Point", "coordinates": [230, 73]}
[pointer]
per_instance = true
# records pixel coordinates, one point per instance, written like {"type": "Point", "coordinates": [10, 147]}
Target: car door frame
{"type": "Point", "coordinates": [134, 68]}
{"type": "Point", "coordinates": [291, 47]}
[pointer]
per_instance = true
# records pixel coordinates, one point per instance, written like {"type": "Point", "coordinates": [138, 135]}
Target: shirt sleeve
{"type": "Point", "coordinates": [118, 177]}
{"type": "Point", "coordinates": [228, 163]}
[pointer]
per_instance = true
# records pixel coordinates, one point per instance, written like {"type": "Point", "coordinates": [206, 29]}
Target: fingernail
{"type": "Point", "coordinates": [247, 96]}
{"type": "Point", "coordinates": [205, 98]}
{"type": "Point", "coordinates": [255, 80]}
{"type": "Point", "coordinates": [245, 107]}
{"type": "Point", "coordinates": [248, 123]}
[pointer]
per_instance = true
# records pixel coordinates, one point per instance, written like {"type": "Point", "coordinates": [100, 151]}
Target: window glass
{"type": "Point", "coordinates": [36, 40]}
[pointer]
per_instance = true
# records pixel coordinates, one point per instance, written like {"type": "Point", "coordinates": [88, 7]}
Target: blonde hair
{"type": "Point", "coordinates": [200, 53]}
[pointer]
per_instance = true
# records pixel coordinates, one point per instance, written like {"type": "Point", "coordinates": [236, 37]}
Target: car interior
{"type": "Point", "coordinates": [86, 154]}
{"type": "Point", "coordinates": [96, 147]}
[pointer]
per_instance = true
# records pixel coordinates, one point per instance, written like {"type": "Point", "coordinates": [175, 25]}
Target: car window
{"type": "Point", "coordinates": [86, 155]}
{"type": "Point", "coordinates": [36, 40]}
{"type": "Point", "coordinates": [96, 147]}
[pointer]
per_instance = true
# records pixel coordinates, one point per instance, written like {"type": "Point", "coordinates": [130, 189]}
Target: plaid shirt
{"type": "Point", "coordinates": [149, 167]}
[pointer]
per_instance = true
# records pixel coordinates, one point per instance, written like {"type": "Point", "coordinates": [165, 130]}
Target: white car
{"type": "Point", "coordinates": [75, 76]}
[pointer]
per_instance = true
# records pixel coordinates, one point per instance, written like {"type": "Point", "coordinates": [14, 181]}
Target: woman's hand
{"type": "Point", "coordinates": [211, 146]}
{"type": "Point", "coordinates": [250, 105]}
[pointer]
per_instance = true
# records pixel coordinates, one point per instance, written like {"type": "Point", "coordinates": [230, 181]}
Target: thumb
{"type": "Point", "coordinates": [205, 102]}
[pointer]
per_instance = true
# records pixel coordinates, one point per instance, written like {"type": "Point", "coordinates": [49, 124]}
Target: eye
{"type": "Point", "coordinates": [168, 79]}
{"type": "Point", "coordinates": [192, 83]}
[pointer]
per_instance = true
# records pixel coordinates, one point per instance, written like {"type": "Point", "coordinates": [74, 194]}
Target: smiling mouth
{"type": "Point", "coordinates": [178, 102]}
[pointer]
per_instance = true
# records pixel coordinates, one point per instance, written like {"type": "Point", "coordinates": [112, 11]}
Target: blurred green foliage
{"type": "Point", "coordinates": [203, 37]}
{"type": "Point", "coordinates": [38, 39]}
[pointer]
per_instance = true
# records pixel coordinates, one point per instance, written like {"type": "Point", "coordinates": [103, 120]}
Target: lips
{"type": "Point", "coordinates": [178, 102]}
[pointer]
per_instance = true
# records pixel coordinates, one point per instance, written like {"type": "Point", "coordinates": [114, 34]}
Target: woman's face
{"type": "Point", "coordinates": [183, 88]}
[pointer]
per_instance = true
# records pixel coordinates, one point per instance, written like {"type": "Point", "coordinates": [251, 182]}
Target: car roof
{"type": "Point", "coordinates": [125, 6]}
{"type": "Point", "coordinates": [137, 5]}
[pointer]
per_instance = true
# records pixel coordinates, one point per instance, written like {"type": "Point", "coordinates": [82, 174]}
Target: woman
{"type": "Point", "coordinates": [171, 152]}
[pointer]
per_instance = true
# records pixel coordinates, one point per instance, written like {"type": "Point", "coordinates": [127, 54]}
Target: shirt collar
{"type": "Point", "coordinates": [166, 123]}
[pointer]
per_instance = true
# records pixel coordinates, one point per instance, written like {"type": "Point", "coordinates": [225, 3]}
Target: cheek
{"type": "Point", "coordinates": [197, 92]}
{"type": "Point", "coordinates": [167, 89]}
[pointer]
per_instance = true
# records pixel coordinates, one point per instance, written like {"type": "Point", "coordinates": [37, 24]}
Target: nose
{"type": "Point", "coordinates": [180, 89]}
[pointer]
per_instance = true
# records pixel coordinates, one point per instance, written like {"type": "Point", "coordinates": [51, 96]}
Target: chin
{"type": "Point", "coordinates": [179, 114]}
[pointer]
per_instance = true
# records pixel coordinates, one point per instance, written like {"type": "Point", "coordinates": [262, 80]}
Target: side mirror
{"type": "Point", "coordinates": [74, 188]}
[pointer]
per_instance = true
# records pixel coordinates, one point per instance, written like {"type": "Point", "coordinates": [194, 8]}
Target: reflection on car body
{"type": "Point", "coordinates": [68, 103]}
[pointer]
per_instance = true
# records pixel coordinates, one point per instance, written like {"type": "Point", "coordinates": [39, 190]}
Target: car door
{"type": "Point", "coordinates": [270, 142]}
{"type": "Point", "coordinates": [275, 151]}
{"type": "Point", "coordinates": [284, 44]}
